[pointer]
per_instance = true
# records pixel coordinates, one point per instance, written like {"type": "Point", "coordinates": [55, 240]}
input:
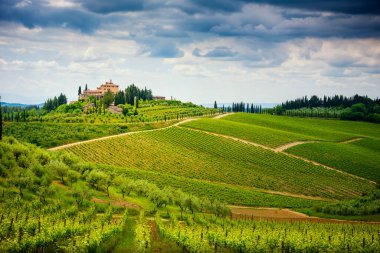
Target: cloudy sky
{"type": "Point", "coordinates": [193, 50]}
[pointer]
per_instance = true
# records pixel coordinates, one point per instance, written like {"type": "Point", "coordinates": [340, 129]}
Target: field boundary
{"type": "Point", "coordinates": [223, 115]}
{"type": "Point", "coordinates": [291, 144]}
{"type": "Point", "coordinates": [351, 140]}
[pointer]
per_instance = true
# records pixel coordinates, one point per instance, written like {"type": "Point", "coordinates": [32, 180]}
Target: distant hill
{"type": "Point", "coordinates": [18, 104]}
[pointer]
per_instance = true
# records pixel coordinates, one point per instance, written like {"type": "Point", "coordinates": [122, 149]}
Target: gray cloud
{"type": "Point", "coordinates": [166, 50]}
{"type": "Point", "coordinates": [218, 52]}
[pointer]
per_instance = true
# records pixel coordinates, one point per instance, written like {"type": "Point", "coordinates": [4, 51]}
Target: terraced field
{"type": "Point", "coordinates": [192, 154]}
{"type": "Point", "coordinates": [360, 158]}
{"type": "Point", "coordinates": [328, 130]}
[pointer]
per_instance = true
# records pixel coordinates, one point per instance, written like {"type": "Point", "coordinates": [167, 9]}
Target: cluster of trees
{"type": "Point", "coordinates": [132, 91]}
{"type": "Point", "coordinates": [353, 108]}
{"type": "Point", "coordinates": [327, 102]}
{"type": "Point", "coordinates": [26, 167]}
{"type": "Point", "coordinates": [168, 195]}
{"type": "Point", "coordinates": [245, 107]}
{"type": "Point", "coordinates": [17, 113]}
{"type": "Point", "coordinates": [53, 103]}
{"type": "Point", "coordinates": [366, 205]}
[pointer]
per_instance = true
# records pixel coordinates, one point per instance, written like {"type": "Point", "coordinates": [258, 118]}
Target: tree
{"type": "Point", "coordinates": [80, 196]}
{"type": "Point", "coordinates": [108, 98]}
{"type": "Point", "coordinates": [158, 197]}
{"type": "Point", "coordinates": [192, 203]}
{"type": "Point", "coordinates": [124, 185]}
{"type": "Point", "coordinates": [180, 200]}
{"type": "Point", "coordinates": [21, 178]}
{"type": "Point", "coordinates": [59, 168]}
{"type": "Point", "coordinates": [85, 88]}
{"type": "Point", "coordinates": [96, 178]}
{"type": "Point", "coordinates": [215, 105]}
{"type": "Point", "coordinates": [80, 90]}
{"type": "Point", "coordinates": [73, 176]}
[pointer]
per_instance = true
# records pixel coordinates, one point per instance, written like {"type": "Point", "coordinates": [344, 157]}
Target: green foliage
{"type": "Point", "coordinates": [361, 158]}
{"type": "Point", "coordinates": [192, 154]}
{"type": "Point", "coordinates": [50, 135]}
{"type": "Point", "coordinates": [108, 98]}
{"type": "Point", "coordinates": [368, 204]}
{"type": "Point", "coordinates": [258, 134]}
{"type": "Point", "coordinates": [329, 130]}
{"type": "Point", "coordinates": [210, 234]}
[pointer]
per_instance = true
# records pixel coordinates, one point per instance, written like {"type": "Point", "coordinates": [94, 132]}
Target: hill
{"type": "Point", "coordinates": [203, 156]}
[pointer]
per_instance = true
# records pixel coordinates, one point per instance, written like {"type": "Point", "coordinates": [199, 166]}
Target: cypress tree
{"type": "Point", "coordinates": [215, 105]}
{"type": "Point", "coordinates": [79, 90]}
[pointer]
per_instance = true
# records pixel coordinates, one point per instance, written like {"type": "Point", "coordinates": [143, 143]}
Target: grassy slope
{"type": "Point", "coordinates": [360, 158]}
{"type": "Point", "coordinates": [329, 130]}
{"type": "Point", "coordinates": [258, 134]}
{"type": "Point", "coordinates": [192, 154]}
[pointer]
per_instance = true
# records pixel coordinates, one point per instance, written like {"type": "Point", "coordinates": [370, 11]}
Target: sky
{"type": "Point", "coordinates": [261, 51]}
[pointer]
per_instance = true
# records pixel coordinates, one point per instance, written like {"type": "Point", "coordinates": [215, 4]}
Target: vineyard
{"type": "Point", "coordinates": [36, 226]}
{"type": "Point", "coordinates": [54, 134]}
{"type": "Point", "coordinates": [328, 130]}
{"type": "Point", "coordinates": [212, 234]}
{"type": "Point", "coordinates": [359, 157]}
{"type": "Point", "coordinates": [195, 155]}
{"type": "Point", "coordinates": [258, 134]}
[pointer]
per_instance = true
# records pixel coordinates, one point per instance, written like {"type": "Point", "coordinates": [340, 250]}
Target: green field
{"type": "Point", "coordinates": [55, 134]}
{"type": "Point", "coordinates": [361, 158]}
{"type": "Point", "coordinates": [323, 129]}
{"type": "Point", "coordinates": [192, 154]}
{"type": "Point", "coordinates": [258, 134]}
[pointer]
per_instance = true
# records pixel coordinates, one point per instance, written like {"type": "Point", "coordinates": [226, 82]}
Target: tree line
{"type": "Point", "coordinates": [328, 102]}
{"type": "Point", "coordinates": [53, 103]}
{"type": "Point", "coordinates": [130, 93]}
{"type": "Point", "coordinates": [351, 108]}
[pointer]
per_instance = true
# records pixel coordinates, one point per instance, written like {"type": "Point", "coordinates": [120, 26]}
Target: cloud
{"type": "Point", "coordinates": [38, 13]}
{"type": "Point", "coordinates": [106, 7]}
{"type": "Point", "coordinates": [165, 50]}
{"type": "Point", "coordinates": [218, 52]}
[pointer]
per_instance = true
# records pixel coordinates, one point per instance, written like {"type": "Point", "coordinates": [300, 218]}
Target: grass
{"type": "Point", "coordinates": [361, 158]}
{"type": "Point", "coordinates": [195, 155]}
{"type": "Point", "coordinates": [328, 130]}
{"type": "Point", "coordinates": [258, 134]}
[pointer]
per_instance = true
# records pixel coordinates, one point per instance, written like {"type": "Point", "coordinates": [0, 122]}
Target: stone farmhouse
{"type": "Point", "coordinates": [99, 92]}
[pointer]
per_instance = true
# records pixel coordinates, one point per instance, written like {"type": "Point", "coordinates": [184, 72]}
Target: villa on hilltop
{"type": "Point", "coordinates": [99, 92]}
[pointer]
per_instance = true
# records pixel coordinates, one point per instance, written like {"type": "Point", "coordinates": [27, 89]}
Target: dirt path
{"type": "Point", "coordinates": [351, 140]}
{"type": "Point", "coordinates": [223, 115]}
{"type": "Point", "coordinates": [120, 135]}
{"type": "Point", "coordinates": [117, 202]}
{"type": "Point", "coordinates": [283, 214]}
{"type": "Point", "coordinates": [291, 144]}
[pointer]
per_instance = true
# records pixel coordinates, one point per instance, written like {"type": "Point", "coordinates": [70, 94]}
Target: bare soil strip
{"type": "Point", "coordinates": [278, 214]}
{"type": "Point", "coordinates": [223, 115]}
{"type": "Point", "coordinates": [351, 140]}
{"type": "Point", "coordinates": [117, 202]}
{"type": "Point", "coordinates": [291, 144]}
